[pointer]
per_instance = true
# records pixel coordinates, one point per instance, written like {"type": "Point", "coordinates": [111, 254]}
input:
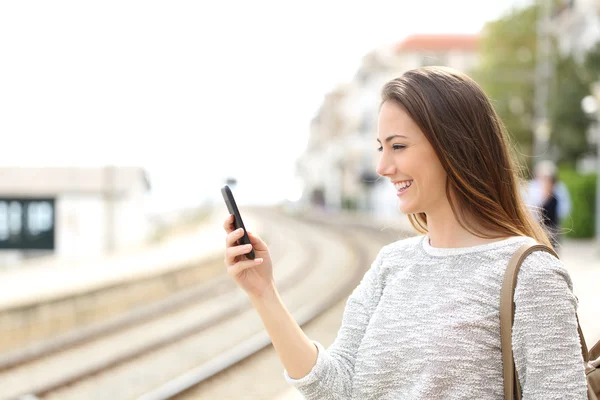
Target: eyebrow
{"type": "Point", "coordinates": [391, 137]}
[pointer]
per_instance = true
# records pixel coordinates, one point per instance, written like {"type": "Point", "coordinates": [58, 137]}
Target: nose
{"type": "Point", "coordinates": [385, 167]}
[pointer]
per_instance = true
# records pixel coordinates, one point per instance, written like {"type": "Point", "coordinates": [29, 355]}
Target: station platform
{"type": "Point", "coordinates": [55, 278]}
{"type": "Point", "coordinates": [291, 394]}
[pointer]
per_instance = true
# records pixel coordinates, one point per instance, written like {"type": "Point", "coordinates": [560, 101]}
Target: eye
{"type": "Point", "coordinates": [395, 147]}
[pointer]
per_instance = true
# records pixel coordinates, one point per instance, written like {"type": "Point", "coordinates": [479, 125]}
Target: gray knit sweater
{"type": "Point", "coordinates": [424, 324]}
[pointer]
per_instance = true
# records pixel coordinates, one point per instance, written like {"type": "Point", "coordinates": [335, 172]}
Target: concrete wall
{"type": "Point", "coordinates": [83, 226]}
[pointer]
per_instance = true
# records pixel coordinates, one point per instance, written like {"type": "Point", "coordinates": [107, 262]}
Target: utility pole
{"type": "Point", "coordinates": [543, 74]}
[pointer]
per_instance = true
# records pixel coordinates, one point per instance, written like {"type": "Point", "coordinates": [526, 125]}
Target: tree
{"type": "Point", "coordinates": [507, 72]}
{"type": "Point", "coordinates": [568, 120]}
{"type": "Point", "coordinates": [592, 63]}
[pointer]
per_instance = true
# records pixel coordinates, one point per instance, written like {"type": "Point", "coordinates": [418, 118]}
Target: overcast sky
{"type": "Point", "coordinates": [192, 90]}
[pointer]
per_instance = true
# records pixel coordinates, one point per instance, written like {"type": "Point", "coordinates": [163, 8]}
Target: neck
{"type": "Point", "coordinates": [446, 232]}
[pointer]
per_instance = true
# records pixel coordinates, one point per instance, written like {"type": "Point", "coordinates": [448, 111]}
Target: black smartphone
{"type": "Point", "coordinates": [237, 221]}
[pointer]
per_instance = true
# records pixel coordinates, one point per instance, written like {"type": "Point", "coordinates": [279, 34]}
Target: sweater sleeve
{"type": "Point", "coordinates": [545, 341]}
{"type": "Point", "coordinates": [331, 377]}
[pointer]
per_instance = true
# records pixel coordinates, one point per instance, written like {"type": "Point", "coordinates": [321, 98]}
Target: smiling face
{"type": "Point", "coordinates": [409, 161]}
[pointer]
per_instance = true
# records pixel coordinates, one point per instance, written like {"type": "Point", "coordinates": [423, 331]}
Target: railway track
{"type": "Point", "coordinates": [259, 374]}
{"type": "Point", "coordinates": [172, 346]}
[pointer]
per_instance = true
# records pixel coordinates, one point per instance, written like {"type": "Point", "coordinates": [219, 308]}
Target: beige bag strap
{"type": "Point", "coordinates": [507, 311]}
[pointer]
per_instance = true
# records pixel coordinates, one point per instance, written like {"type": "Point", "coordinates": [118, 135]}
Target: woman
{"type": "Point", "coordinates": [424, 321]}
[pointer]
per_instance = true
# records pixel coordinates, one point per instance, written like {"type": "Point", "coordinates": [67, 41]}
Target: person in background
{"type": "Point", "coordinates": [550, 209]}
{"type": "Point", "coordinates": [549, 199]}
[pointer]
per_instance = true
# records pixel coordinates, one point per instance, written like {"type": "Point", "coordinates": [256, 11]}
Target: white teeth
{"type": "Point", "coordinates": [403, 185]}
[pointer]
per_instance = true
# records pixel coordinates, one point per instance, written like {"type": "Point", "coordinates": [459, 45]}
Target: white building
{"type": "Point", "coordinates": [322, 167]}
{"type": "Point", "coordinates": [96, 210]}
{"type": "Point", "coordinates": [576, 24]}
{"type": "Point", "coordinates": [341, 158]}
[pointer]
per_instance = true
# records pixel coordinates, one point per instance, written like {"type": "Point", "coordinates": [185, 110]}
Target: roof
{"type": "Point", "coordinates": [54, 181]}
{"type": "Point", "coordinates": [431, 42]}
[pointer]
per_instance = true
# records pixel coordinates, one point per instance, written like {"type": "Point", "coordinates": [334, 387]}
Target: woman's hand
{"type": "Point", "coordinates": [254, 276]}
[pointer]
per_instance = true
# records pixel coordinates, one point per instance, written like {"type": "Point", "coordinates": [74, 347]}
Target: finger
{"type": "Point", "coordinates": [228, 224]}
{"type": "Point", "coordinates": [243, 265]}
{"type": "Point", "coordinates": [232, 252]}
{"type": "Point", "coordinates": [233, 237]}
{"type": "Point", "coordinates": [257, 242]}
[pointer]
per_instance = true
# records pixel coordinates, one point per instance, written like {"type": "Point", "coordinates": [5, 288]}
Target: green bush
{"type": "Point", "coordinates": [582, 188]}
{"type": "Point", "coordinates": [349, 203]}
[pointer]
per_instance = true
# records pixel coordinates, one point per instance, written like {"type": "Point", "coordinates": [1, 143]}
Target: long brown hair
{"type": "Point", "coordinates": [474, 149]}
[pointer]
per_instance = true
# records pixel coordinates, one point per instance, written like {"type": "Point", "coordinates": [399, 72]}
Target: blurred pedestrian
{"type": "Point", "coordinates": [549, 210]}
{"type": "Point", "coordinates": [549, 199]}
{"type": "Point", "coordinates": [423, 322]}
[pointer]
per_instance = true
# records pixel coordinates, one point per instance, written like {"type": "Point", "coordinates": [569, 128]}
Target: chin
{"type": "Point", "coordinates": [407, 209]}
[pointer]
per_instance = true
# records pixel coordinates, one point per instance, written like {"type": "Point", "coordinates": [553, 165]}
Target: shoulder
{"type": "Point", "coordinates": [399, 253]}
{"type": "Point", "coordinates": [542, 272]}
{"type": "Point", "coordinates": [562, 189]}
{"type": "Point", "coordinates": [401, 246]}
{"type": "Point", "coordinates": [391, 256]}
{"type": "Point", "coordinates": [542, 262]}
{"type": "Point", "coordinates": [562, 186]}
